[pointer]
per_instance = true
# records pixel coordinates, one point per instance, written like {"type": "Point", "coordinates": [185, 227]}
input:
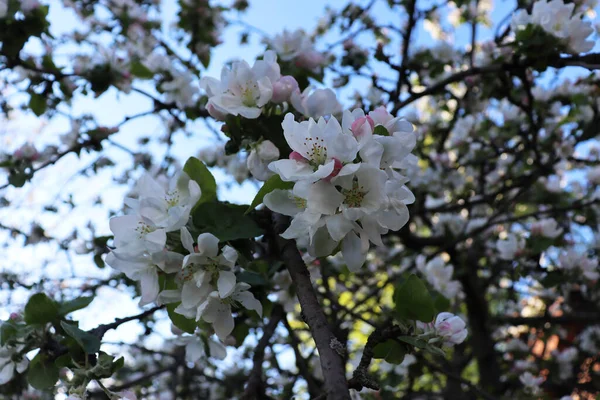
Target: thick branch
{"type": "Point", "coordinates": [336, 386]}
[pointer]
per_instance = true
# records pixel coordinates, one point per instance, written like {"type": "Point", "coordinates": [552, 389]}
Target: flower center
{"type": "Point", "coordinates": [354, 197]}
{"type": "Point", "coordinates": [143, 229]}
{"type": "Point", "coordinates": [172, 198]}
{"type": "Point", "coordinates": [317, 151]}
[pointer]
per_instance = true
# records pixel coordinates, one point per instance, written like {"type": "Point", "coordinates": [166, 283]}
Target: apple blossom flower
{"type": "Point", "coordinates": [259, 159]}
{"type": "Point", "coordinates": [203, 270]}
{"type": "Point", "coordinates": [572, 260]}
{"type": "Point", "coordinates": [510, 248]}
{"type": "Point", "coordinates": [243, 90]}
{"type": "Point", "coordinates": [318, 147]}
{"type": "Point", "coordinates": [589, 339]}
{"type": "Point", "coordinates": [165, 208]}
{"type": "Point", "coordinates": [447, 327]}
{"type": "Point", "coordinates": [531, 383]}
{"type": "Point", "coordinates": [559, 20]}
{"type": "Point", "coordinates": [196, 348]}
{"type": "Point", "coordinates": [283, 89]}
{"type": "Point", "coordinates": [216, 309]}
{"type": "Point", "coordinates": [547, 227]}
{"type": "Point", "coordinates": [145, 268]}
{"type": "Point", "coordinates": [11, 359]}
{"type": "Point", "coordinates": [290, 45]}
{"type": "Point", "coordinates": [315, 103]}
{"type": "Point", "coordinates": [439, 275]}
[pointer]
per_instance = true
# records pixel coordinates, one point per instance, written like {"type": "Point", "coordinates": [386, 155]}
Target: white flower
{"type": "Point", "coordinates": [319, 149]}
{"type": "Point", "coordinates": [216, 309]}
{"type": "Point", "coordinates": [572, 260]}
{"type": "Point", "coordinates": [181, 89]}
{"type": "Point", "coordinates": [439, 275]}
{"type": "Point", "coordinates": [203, 270]}
{"type": "Point", "coordinates": [451, 328]}
{"type": "Point", "coordinates": [531, 383]}
{"type": "Point", "coordinates": [565, 360]}
{"type": "Point", "coordinates": [317, 103]}
{"type": "Point", "coordinates": [259, 159]}
{"type": "Point", "coordinates": [195, 348]}
{"type": "Point", "coordinates": [11, 359]}
{"type": "Point", "coordinates": [589, 339]}
{"type": "Point", "coordinates": [547, 227]}
{"type": "Point", "coordinates": [144, 268]}
{"type": "Point", "coordinates": [3, 8]}
{"type": "Point", "coordinates": [511, 247]}
{"type": "Point", "coordinates": [290, 45]}
{"type": "Point", "coordinates": [168, 209]}
{"type": "Point", "coordinates": [557, 19]}
{"type": "Point", "coordinates": [243, 90]}
{"type": "Point", "coordinates": [283, 89]}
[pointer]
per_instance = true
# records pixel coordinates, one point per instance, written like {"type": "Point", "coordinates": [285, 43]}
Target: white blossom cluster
{"type": "Point", "coordinates": [559, 20]}
{"type": "Point", "coordinates": [347, 190]}
{"type": "Point", "coordinates": [208, 285]}
{"type": "Point", "coordinates": [245, 91]}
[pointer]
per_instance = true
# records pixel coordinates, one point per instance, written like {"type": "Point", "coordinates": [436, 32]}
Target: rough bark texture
{"type": "Point", "coordinates": [336, 386]}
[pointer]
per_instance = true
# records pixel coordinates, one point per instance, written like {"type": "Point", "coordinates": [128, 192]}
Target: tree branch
{"type": "Point", "coordinates": [336, 386]}
{"type": "Point", "coordinates": [255, 388]}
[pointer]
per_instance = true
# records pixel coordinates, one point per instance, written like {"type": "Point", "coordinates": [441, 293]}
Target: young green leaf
{"type": "Point", "coordinates": [197, 171]}
{"type": "Point", "coordinates": [413, 301]}
{"type": "Point", "coordinates": [41, 309]}
{"type": "Point", "coordinates": [88, 342]}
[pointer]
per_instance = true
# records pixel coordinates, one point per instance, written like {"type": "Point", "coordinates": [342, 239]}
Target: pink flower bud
{"type": "Point", "coordinates": [451, 328]}
{"type": "Point", "coordinates": [283, 88]}
{"type": "Point", "coordinates": [359, 128]}
{"type": "Point", "coordinates": [216, 114]}
{"type": "Point", "coordinates": [310, 60]}
{"type": "Point", "coordinates": [294, 155]}
{"type": "Point", "coordinates": [15, 316]}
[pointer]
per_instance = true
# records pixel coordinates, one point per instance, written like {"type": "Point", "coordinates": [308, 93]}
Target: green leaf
{"type": "Point", "coordinates": [37, 104]}
{"type": "Point", "coordinates": [41, 309]}
{"type": "Point", "coordinates": [271, 184]}
{"type": "Point", "coordinates": [251, 278]}
{"type": "Point", "coordinates": [88, 342]}
{"type": "Point", "coordinates": [140, 70]}
{"type": "Point", "coordinates": [381, 130]}
{"type": "Point", "coordinates": [413, 301]}
{"type": "Point", "coordinates": [74, 305]}
{"type": "Point", "coordinates": [8, 330]}
{"type": "Point", "coordinates": [42, 373]}
{"type": "Point", "coordinates": [64, 361]}
{"type": "Point", "coordinates": [197, 171]}
{"type": "Point", "coordinates": [390, 350]}
{"type": "Point", "coordinates": [435, 350]}
{"type": "Point", "coordinates": [183, 323]}
{"type": "Point", "coordinates": [418, 343]}
{"type": "Point", "coordinates": [226, 221]}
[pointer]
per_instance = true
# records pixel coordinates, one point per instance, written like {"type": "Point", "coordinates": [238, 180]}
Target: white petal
{"type": "Point", "coordinates": [249, 302]}
{"type": "Point", "coordinates": [186, 240]}
{"type": "Point", "coordinates": [194, 350]}
{"type": "Point", "coordinates": [324, 198]}
{"type": "Point", "coordinates": [7, 372]}
{"type": "Point", "coordinates": [208, 245]}
{"type": "Point", "coordinates": [217, 350]}
{"type": "Point", "coordinates": [351, 252]}
{"type": "Point", "coordinates": [226, 283]}
{"type": "Point", "coordinates": [149, 286]}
